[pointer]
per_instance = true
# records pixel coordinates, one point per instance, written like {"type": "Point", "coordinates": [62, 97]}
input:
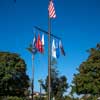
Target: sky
{"type": "Point", "coordinates": [77, 23]}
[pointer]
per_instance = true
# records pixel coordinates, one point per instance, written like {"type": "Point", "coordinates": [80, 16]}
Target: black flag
{"type": "Point", "coordinates": [61, 47]}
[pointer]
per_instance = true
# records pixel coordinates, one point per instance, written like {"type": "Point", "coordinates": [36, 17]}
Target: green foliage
{"type": "Point", "coordinates": [38, 98]}
{"type": "Point", "coordinates": [58, 83]}
{"type": "Point", "coordinates": [13, 78]}
{"type": "Point", "coordinates": [67, 98]}
{"type": "Point", "coordinates": [14, 98]}
{"type": "Point", "coordinates": [87, 80]}
{"type": "Point", "coordinates": [70, 98]}
{"type": "Point", "coordinates": [88, 97]}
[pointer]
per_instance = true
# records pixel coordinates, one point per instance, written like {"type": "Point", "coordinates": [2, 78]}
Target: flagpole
{"type": "Point", "coordinates": [32, 78]}
{"type": "Point", "coordinates": [49, 57]}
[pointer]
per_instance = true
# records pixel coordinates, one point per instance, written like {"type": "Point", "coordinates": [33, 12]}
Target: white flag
{"type": "Point", "coordinates": [34, 41]}
{"type": "Point", "coordinates": [42, 39]}
{"type": "Point", "coordinates": [34, 50]}
{"type": "Point", "coordinates": [53, 49]}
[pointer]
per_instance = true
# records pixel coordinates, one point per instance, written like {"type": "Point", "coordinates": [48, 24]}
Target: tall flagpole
{"type": "Point", "coordinates": [49, 57]}
{"type": "Point", "coordinates": [50, 15]}
{"type": "Point", "coordinates": [32, 77]}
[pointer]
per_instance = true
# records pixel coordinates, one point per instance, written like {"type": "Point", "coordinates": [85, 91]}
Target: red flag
{"type": "Point", "coordinates": [39, 44]}
{"type": "Point", "coordinates": [51, 10]}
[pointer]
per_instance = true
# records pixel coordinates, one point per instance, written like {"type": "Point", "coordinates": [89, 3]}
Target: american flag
{"type": "Point", "coordinates": [51, 10]}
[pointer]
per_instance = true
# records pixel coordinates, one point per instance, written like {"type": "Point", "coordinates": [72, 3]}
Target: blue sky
{"type": "Point", "coordinates": [77, 23]}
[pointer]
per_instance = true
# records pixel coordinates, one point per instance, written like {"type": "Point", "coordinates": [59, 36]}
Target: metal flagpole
{"type": "Point", "coordinates": [49, 58]}
{"type": "Point", "coordinates": [32, 78]}
{"type": "Point", "coordinates": [49, 44]}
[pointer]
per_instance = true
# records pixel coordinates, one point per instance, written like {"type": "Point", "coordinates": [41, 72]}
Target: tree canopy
{"type": "Point", "coordinates": [13, 78]}
{"type": "Point", "coordinates": [87, 80]}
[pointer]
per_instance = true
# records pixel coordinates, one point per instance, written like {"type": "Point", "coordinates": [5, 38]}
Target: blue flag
{"type": "Point", "coordinates": [34, 49]}
{"type": "Point", "coordinates": [57, 49]}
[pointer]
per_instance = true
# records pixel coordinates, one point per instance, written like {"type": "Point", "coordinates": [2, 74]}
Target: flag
{"type": "Point", "coordinates": [53, 49]}
{"type": "Point", "coordinates": [42, 39]}
{"type": "Point", "coordinates": [57, 49]}
{"type": "Point", "coordinates": [39, 44]}
{"type": "Point", "coordinates": [61, 47]}
{"type": "Point", "coordinates": [51, 10]}
{"type": "Point", "coordinates": [34, 40]}
{"type": "Point", "coordinates": [34, 50]}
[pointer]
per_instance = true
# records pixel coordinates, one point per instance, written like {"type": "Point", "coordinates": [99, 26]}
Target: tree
{"type": "Point", "coordinates": [13, 78]}
{"type": "Point", "coordinates": [58, 83]}
{"type": "Point", "coordinates": [87, 80]}
{"type": "Point", "coordinates": [67, 98]}
{"type": "Point", "coordinates": [70, 98]}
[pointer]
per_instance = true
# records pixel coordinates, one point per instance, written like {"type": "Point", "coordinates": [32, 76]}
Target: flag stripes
{"type": "Point", "coordinates": [51, 10]}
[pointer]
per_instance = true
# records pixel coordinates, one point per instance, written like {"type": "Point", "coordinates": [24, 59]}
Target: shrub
{"type": "Point", "coordinates": [14, 98]}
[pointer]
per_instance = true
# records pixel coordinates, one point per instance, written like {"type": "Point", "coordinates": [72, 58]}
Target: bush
{"type": "Point", "coordinates": [14, 98]}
